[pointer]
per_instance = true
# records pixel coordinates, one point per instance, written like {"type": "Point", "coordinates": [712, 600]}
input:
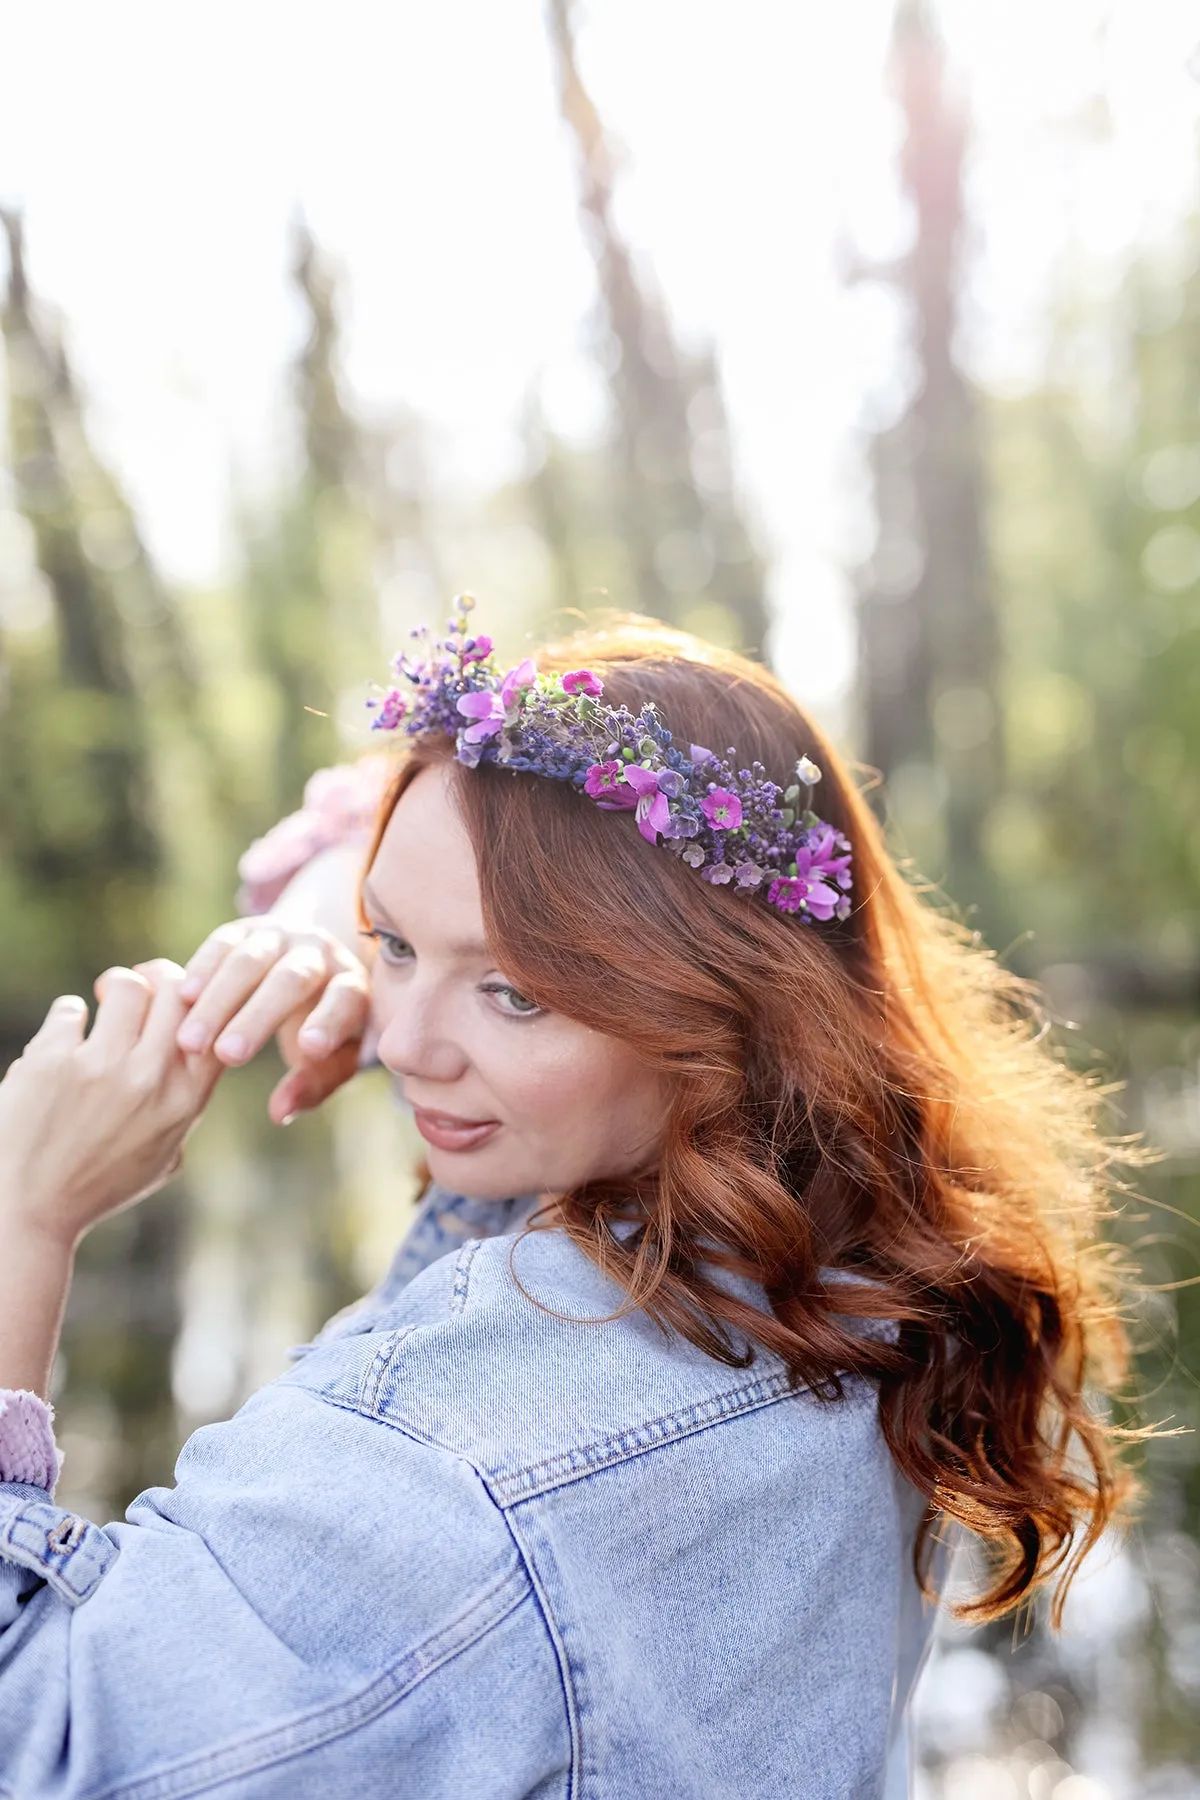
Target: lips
{"type": "Point", "coordinates": [446, 1132]}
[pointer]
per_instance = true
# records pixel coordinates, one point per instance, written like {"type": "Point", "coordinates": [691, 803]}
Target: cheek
{"type": "Point", "coordinates": [579, 1085]}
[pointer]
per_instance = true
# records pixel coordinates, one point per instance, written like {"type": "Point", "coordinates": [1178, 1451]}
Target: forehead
{"type": "Point", "coordinates": [424, 872]}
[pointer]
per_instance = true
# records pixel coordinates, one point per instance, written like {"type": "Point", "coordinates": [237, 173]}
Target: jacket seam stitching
{"type": "Point", "coordinates": [315, 1728]}
{"type": "Point", "coordinates": [561, 1655]}
{"type": "Point", "coordinates": [567, 1466]}
{"type": "Point", "coordinates": [462, 1274]}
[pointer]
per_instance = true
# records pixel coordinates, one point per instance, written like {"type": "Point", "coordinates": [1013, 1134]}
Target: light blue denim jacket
{"type": "Point", "coordinates": [466, 1549]}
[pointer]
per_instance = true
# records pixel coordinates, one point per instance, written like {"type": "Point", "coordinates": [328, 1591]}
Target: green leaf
{"type": "Point", "coordinates": [628, 754]}
{"type": "Point", "coordinates": [791, 795]}
{"type": "Point", "coordinates": [789, 815]}
{"type": "Point", "coordinates": [811, 820]}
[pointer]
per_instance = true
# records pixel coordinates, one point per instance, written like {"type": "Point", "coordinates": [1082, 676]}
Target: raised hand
{"type": "Point", "coordinates": [91, 1121]}
{"type": "Point", "coordinates": [255, 979]}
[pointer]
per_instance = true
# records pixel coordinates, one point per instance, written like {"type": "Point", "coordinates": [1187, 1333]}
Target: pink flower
{"type": "Point", "coordinates": [392, 709]}
{"type": "Point", "coordinates": [582, 681]}
{"type": "Point", "coordinates": [717, 873]}
{"type": "Point", "coordinates": [602, 779]}
{"type": "Point", "coordinates": [487, 710]}
{"type": "Point", "coordinates": [516, 682]}
{"type": "Point", "coordinates": [477, 649]}
{"type": "Point", "coordinates": [653, 812]}
{"type": "Point", "coordinates": [722, 809]}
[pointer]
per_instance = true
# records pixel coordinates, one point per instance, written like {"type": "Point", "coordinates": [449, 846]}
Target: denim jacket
{"type": "Point", "coordinates": [465, 1548]}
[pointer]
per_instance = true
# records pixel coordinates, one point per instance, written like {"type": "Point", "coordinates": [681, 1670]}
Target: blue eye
{"type": "Point", "coordinates": [518, 1007]}
{"type": "Point", "coordinates": [392, 949]}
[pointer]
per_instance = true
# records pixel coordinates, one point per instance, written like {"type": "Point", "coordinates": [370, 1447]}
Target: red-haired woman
{"type": "Point", "coordinates": [762, 1248]}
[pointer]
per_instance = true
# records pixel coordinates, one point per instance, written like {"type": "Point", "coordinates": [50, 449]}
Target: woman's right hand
{"type": "Point", "coordinates": [259, 978]}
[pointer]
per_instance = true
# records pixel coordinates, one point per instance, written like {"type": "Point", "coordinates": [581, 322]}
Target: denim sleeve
{"type": "Point", "coordinates": [322, 1605]}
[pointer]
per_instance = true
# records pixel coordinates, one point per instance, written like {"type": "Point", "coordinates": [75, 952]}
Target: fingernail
{"type": "Point", "coordinates": [287, 1118]}
{"type": "Point", "coordinates": [314, 1039]}
{"type": "Point", "coordinates": [232, 1045]}
{"type": "Point", "coordinates": [193, 1035]}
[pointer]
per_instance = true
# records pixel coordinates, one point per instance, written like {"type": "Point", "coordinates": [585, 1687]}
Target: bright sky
{"type": "Point", "coordinates": [161, 151]}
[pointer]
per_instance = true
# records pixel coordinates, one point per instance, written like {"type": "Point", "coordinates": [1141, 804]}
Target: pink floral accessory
{"type": "Point", "coordinates": [27, 1449]}
{"type": "Point", "coordinates": [340, 806]}
{"type": "Point", "coordinates": [734, 826]}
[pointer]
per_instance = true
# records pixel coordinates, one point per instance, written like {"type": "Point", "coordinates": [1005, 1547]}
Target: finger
{"type": "Point", "coordinates": [339, 1017]}
{"type": "Point", "coordinates": [296, 979]}
{"type": "Point", "coordinates": [62, 1028]}
{"type": "Point", "coordinates": [240, 972]}
{"type": "Point", "coordinates": [204, 963]}
{"type": "Point", "coordinates": [167, 1009]}
{"type": "Point", "coordinates": [306, 1087]}
{"type": "Point", "coordinates": [121, 1013]}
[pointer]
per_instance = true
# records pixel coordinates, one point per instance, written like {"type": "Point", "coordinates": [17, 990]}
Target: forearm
{"type": "Point", "coordinates": [35, 1278]}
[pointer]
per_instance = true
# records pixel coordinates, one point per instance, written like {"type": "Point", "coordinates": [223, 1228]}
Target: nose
{"type": "Point", "coordinates": [416, 1036]}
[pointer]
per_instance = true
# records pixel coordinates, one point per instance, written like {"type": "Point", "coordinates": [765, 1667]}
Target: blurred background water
{"type": "Point", "coordinates": [865, 338]}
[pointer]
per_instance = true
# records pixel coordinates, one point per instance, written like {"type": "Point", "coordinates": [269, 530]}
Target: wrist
{"type": "Point", "coordinates": [35, 1278]}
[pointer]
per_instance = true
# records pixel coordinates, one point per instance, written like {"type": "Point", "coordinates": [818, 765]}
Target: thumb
{"type": "Point", "coordinates": [303, 1088]}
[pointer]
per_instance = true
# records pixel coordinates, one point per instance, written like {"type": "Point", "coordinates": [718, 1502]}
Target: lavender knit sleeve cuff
{"type": "Point", "coordinates": [28, 1452]}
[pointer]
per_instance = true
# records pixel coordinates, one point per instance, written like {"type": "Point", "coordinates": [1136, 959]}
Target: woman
{"type": "Point", "coordinates": [637, 1500]}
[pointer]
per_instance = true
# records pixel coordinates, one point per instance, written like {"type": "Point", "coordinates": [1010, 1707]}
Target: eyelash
{"type": "Point", "coordinates": [385, 939]}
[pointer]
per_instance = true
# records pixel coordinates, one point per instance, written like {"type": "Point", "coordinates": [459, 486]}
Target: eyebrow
{"type": "Point", "coordinates": [464, 947]}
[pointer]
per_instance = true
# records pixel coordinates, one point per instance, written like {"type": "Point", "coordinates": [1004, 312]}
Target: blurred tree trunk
{"type": "Point", "coordinates": [313, 627]}
{"type": "Point", "coordinates": [928, 642]}
{"type": "Point", "coordinates": [83, 852]}
{"type": "Point", "coordinates": [690, 552]}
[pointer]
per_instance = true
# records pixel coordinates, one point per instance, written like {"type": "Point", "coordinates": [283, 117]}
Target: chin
{"type": "Point", "coordinates": [476, 1175]}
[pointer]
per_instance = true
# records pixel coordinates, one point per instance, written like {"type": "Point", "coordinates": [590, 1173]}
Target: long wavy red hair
{"type": "Point", "coordinates": [874, 1096]}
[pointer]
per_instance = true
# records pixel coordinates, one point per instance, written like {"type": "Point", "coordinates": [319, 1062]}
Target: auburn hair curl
{"type": "Point", "coordinates": [876, 1096]}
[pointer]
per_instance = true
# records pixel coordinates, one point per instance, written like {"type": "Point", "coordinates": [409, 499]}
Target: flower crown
{"type": "Point", "coordinates": [731, 825]}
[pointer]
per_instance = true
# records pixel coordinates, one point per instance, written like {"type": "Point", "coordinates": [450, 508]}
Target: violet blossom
{"type": "Point", "coordinates": [582, 681]}
{"type": "Point", "coordinates": [477, 649]}
{"type": "Point", "coordinates": [653, 812]}
{"type": "Point", "coordinates": [487, 710]}
{"type": "Point", "coordinates": [516, 681]}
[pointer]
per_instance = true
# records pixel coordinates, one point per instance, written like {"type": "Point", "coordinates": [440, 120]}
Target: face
{"type": "Point", "coordinates": [510, 1099]}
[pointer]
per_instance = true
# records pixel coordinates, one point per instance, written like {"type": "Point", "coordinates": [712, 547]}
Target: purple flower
{"type": "Point", "coordinates": [582, 681]}
{"type": "Point", "coordinates": [717, 873]}
{"type": "Point", "coordinates": [787, 892]}
{"type": "Point", "coordinates": [671, 783]}
{"type": "Point", "coordinates": [821, 858]}
{"type": "Point", "coordinates": [699, 754]}
{"type": "Point", "coordinates": [805, 888]}
{"type": "Point", "coordinates": [487, 710]}
{"type": "Point", "coordinates": [653, 813]}
{"type": "Point", "coordinates": [477, 649]}
{"type": "Point", "coordinates": [722, 809]}
{"type": "Point", "coordinates": [693, 856]}
{"type": "Point", "coordinates": [748, 874]}
{"type": "Point", "coordinates": [516, 681]}
{"type": "Point", "coordinates": [602, 778]}
{"type": "Point", "coordinates": [392, 709]}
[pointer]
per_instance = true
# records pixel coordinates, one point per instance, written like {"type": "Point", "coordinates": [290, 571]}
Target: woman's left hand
{"type": "Point", "coordinates": [90, 1123]}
